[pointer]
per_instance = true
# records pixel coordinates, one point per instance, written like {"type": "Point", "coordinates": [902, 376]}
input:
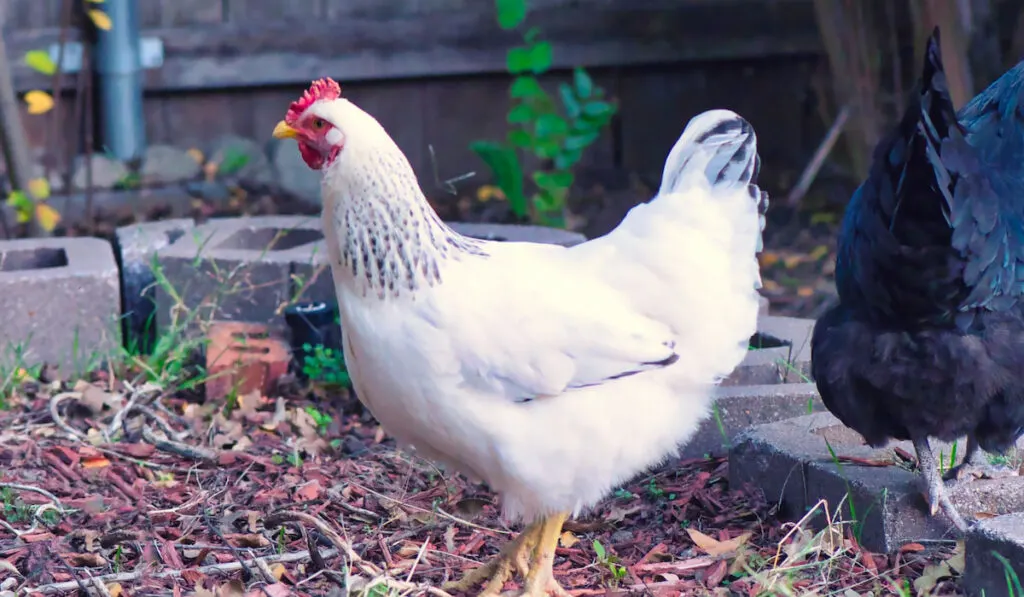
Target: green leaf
{"type": "Point", "coordinates": [549, 125]}
{"type": "Point", "coordinates": [519, 60]}
{"type": "Point", "coordinates": [520, 114]}
{"type": "Point", "coordinates": [531, 35]}
{"type": "Point", "coordinates": [572, 105]}
{"type": "Point", "coordinates": [519, 138]}
{"type": "Point", "coordinates": [510, 13]}
{"type": "Point", "coordinates": [584, 84]}
{"type": "Point", "coordinates": [567, 158]}
{"type": "Point", "coordinates": [555, 182]}
{"type": "Point", "coordinates": [524, 87]}
{"type": "Point", "coordinates": [545, 149]}
{"type": "Point", "coordinates": [599, 549]}
{"type": "Point", "coordinates": [508, 173]}
{"type": "Point", "coordinates": [234, 160]}
{"type": "Point", "coordinates": [581, 140]}
{"type": "Point", "coordinates": [540, 57]}
{"type": "Point", "coordinates": [598, 110]}
{"type": "Point", "coordinates": [40, 61]}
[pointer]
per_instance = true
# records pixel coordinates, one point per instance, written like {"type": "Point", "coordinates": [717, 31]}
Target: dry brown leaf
{"type": "Point", "coordinates": [91, 560]}
{"type": "Point", "coordinates": [278, 570]}
{"type": "Point", "coordinates": [568, 539]}
{"type": "Point", "coordinates": [805, 291]}
{"type": "Point", "coordinates": [234, 588]}
{"type": "Point", "coordinates": [714, 547]}
{"type": "Point", "coordinates": [768, 258]}
{"type": "Point", "coordinates": [115, 590]}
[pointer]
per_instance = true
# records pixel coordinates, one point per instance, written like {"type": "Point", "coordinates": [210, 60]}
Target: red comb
{"type": "Point", "coordinates": [325, 88]}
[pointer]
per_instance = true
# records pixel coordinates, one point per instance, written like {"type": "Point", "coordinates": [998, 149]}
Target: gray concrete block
{"type": "Point", "coordinates": [984, 573]}
{"type": "Point", "coordinates": [737, 408]}
{"type": "Point", "coordinates": [518, 233]}
{"type": "Point", "coordinates": [790, 461]}
{"type": "Point", "coordinates": [780, 353]}
{"type": "Point", "coordinates": [136, 247]}
{"type": "Point", "coordinates": [60, 302]}
{"type": "Point", "coordinates": [236, 269]}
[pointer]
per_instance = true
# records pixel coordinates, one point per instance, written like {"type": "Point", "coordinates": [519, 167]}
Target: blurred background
{"type": "Point", "coordinates": [554, 112]}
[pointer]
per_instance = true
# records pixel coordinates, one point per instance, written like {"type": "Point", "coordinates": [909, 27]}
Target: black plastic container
{"type": "Point", "coordinates": [315, 324]}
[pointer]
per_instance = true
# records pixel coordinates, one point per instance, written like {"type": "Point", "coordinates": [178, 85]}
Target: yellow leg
{"type": "Point", "coordinates": [540, 578]}
{"type": "Point", "coordinates": [498, 569]}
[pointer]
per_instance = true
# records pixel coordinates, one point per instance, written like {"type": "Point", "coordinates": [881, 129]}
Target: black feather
{"type": "Point", "coordinates": [928, 336]}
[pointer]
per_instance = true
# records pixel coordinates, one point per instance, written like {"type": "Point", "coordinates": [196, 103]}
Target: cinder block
{"type": "Point", "coordinates": [136, 247]}
{"type": "Point", "coordinates": [737, 408]}
{"type": "Point", "coordinates": [236, 269]}
{"type": "Point", "coordinates": [780, 353]}
{"type": "Point", "coordinates": [984, 573]}
{"type": "Point", "coordinates": [243, 357]}
{"type": "Point", "coordinates": [790, 460]}
{"type": "Point", "coordinates": [60, 300]}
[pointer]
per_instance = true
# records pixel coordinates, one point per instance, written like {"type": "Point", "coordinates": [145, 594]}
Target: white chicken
{"type": "Point", "coordinates": [552, 373]}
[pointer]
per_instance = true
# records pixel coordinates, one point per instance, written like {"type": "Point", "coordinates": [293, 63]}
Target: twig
{"type": "Point", "coordinates": [121, 577]}
{"type": "Point", "coordinates": [59, 420]}
{"type": "Point", "coordinates": [39, 490]}
{"type": "Point", "coordinates": [796, 194]}
{"type": "Point", "coordinates": [436, 511]}
{"type": "Point", "coordinates": [174, 447]}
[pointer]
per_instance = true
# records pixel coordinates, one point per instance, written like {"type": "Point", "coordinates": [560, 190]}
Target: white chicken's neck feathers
{"type": "Point", "coordinates": [391, 240]}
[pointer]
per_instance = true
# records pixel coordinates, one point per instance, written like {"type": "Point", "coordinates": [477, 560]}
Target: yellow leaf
{"type": "Point", "coordinates": [39, 188]}
{"type": "Point", "coordinates": [769, 258]}
{"type": "Point", "coordinates": [47, 217]}
{"type": "Point", "coordinates": [714, 547]}
{"type": "Point", "coordinates": [805, 291]}
{"type": "Point", "coordinates": [22, 216]}
{"type": "Point", "coordinates": [100, 19]}
{"type": "Point", "coordinates": [115, 589]}
{"type": "Point", "coordinates": [196, 155]}
{"type": "Point", "coordinates": [568, 539]}
{"type": "Point", "coordinates": [488, 192]}
{"type": "Point", "coordinates": [39, 102]}
{"type": "Point", "coordinates": [819, 252]}
{"type": "Point", "coordinates": [277, 570]}
{"type": "Point", "coordinates": [791, 261]}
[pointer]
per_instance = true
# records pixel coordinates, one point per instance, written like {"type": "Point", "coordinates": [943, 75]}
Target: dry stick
{"type": "Point", "coordinates": [811, 170]}
{"type": "Point", "coordinates": [59, 420]}
{"type": "Point", "coordinates": [63, 587]}
{"type": "Point", "coordinates": [168, 445]}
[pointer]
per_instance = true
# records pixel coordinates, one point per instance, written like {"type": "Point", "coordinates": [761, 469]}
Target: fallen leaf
{"type": "Point", "coordinates": [39, 102]}
{"type": "Point", "coordinates": [95, 462]}
{"type": "Point", "coordinates": [309, 491]}
{"type": "Point", "coordinates": [911, 547]}
{"type": "Point", "coordinates": [568, 539]}
{"type": "Point", "coordinates": [714, 547]}
{"type": "Point", "coordinates": [115, 590]}
{"type": "Point", "coordinates": [818, 252]}
{"type": "Point", "coordinates": [196, 154]}
{"type": "Point", "coordinates": [930, 577]}
{"type": "Point", "coordinates": [40, 61]}
{"type": "Point", "coordinates": [769, 258]}
{"type": "Point", "coordinates": [248, 540]}
{"type": "Point", "coordinates": [39, 188]}
{"type": "Point", "coordinates": [92, 560]}
{"type": "Point", "coordinates": [958, 560]}
{"type": "Point", "coordinates": [805, 291]}
{"type": "Point", "coordinates": [100, 19]}
{"type": "Point", "coordinates": [233, 588]}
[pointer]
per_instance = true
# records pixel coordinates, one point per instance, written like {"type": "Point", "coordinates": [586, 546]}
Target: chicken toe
{"type": "Point", "coordinates": [935, 489]}
{"type": "Point", "coordinates": [976, 466]}
{"type": "Point", "coordinates": [540, 580]}
{"type": "Point", "coordinates": [513, 557]}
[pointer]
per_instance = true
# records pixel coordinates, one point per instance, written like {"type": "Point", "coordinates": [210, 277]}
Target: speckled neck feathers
{"type": "Point", "coordinates": [391, 242]}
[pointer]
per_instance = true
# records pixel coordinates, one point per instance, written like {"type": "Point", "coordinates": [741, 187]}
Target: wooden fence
{"type": "Point", "coordinates": [432, 71]}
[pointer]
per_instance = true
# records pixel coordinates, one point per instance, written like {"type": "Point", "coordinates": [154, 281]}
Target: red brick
{"type": "Point", "coordinates": [243, 356]}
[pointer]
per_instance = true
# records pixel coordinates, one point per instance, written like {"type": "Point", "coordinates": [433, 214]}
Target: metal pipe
{"type": "Point", "coordinates": [119, 66]}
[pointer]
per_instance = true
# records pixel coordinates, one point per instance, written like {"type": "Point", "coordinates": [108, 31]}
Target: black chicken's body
{"type": "Point", "coordinates": [928, 337]}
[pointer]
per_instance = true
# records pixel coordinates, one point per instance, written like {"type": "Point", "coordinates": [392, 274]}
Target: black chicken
{"type": "Point", "coordinates": [928, 337]}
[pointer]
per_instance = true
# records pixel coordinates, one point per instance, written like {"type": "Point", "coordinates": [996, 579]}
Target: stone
{"type": "Point", "coordinates": [165, 164]}
{"type": "Point", "coordinates": [984, 573]}
{"type": "Point", "coordinates": [107, 172]}
{"type": "Point", "coordinates": [790, 461]}
{"type": "Point", "coordinates": [737, 408]}
{"type": "Point", "coordinates": [136, 247]}
{"type": "Point", "coordinates": [780, 353]}
{"type": "Point", "coordinates": [209, 190]}
{"type": "Point", "coordinates": [242, 358]}
{"type": "Point", "coordinates": [293, 175]}
{"type": "Point", "coordinates": [60, 302]}
{"type": "Point", "coordinates": [241, 158]}
{"type": "Point", "coordinates": [234, 269]}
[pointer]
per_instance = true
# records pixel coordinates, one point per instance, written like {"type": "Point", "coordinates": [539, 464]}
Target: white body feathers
{"type": "Point", "coordinates": [554, 374]}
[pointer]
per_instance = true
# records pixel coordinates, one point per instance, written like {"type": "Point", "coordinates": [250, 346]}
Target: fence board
{"type": "Point", "coordinates": [467, 41]}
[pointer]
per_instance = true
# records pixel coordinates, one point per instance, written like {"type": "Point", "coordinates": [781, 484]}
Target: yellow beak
{"type": "Point", "coordinates": [283, 131]}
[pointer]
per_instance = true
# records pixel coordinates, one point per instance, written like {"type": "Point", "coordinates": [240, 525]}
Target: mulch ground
{"type": "Point", "coordinates": [116, 489]}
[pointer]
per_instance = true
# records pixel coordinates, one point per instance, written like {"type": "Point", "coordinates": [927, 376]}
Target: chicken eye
{"type": "Point", "coordinates": [318, 123]}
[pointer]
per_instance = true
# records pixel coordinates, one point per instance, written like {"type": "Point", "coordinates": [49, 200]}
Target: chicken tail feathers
{"type": "Point", "coordinates": [720, 146]}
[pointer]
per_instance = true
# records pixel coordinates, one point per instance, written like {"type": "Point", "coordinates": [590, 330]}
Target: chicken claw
{"type": "Point", "coordinates": [514, 554]}
{"type": "Point", "coordinates": [935, 489]}
{"type": "Point", "coordinates": [540, 580]}
{"type": "Point", "coordinates": [975, 465]}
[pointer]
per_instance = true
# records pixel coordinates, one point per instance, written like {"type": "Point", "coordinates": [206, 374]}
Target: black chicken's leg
{"type": "Point", "coordinates": [975, 464]}
{"type": "Point", "coordinates": [935, 489]}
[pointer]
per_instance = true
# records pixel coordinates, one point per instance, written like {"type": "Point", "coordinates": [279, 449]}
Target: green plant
{"type": "Point", "coordinates": [325, 366]}
{"type": "Point", "coordinates": [321, 419]}
{"type": "Point", "coordinates": [616, 571]}
{"type": "Point", "coordinates": [555, 132]}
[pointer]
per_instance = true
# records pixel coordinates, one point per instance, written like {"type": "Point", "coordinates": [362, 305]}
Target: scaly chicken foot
{"type": "Point", "coordinates": [540, 579]}
{"type": "Point", "coordinates": [976, 465]}
{"type": "Point", "coordinates": [514, 554]}
{"type": "Point", "coordinates": [935, 489]}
